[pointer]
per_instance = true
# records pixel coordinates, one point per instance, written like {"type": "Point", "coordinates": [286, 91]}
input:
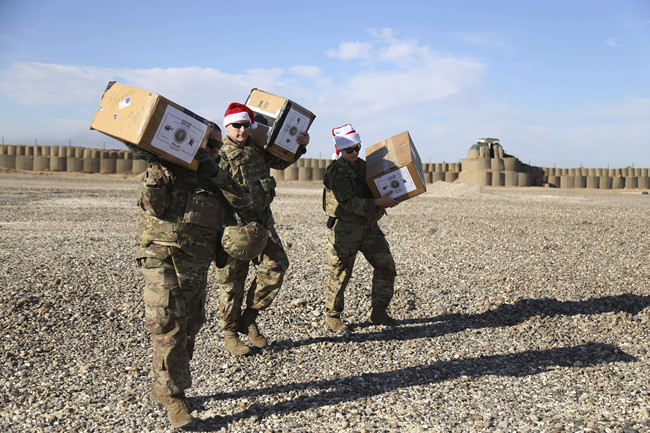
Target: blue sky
{"type": "Point", "coordinates": [560, 83]}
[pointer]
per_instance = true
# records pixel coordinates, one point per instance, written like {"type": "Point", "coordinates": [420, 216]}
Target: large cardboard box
{"type": "Point", "coordinates": [394, 165]}
{"type": "Point", "coordinates": [280, 121]}
{"type": "Point", "coordinates": [153, 123]}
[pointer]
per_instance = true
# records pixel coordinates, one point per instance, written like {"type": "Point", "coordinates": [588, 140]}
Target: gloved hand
{"type": "Point", "coordinates": [141, 153]}
{"type": "Point", "coordinates": [238, 198]}
{"type": "Point", "coordinates": [207, 165]}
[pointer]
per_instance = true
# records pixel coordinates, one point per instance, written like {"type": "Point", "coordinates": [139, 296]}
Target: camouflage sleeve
{"type": "Point", "coordinates": [236, 195]}
{"type": "Point", "coordinates": [342, 187]}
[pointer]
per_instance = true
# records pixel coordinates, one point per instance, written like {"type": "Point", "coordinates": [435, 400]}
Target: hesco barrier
{"type": "Point", "coordinates": [497, 171]}
{"type": "Point", "coordinates": [593, 181]}
{"type": "Point", "coordinates": [318, 173]}
{"type": "Point", "coordinates": [305, 173]}
{"type": "Point", "coordinates": [644, 182]}
{"type": "Point", "coordinates": [437, 176]}
{"type": "Point", "coordinates": [291, 172]}
{"type": "Point", "coordinates": [498, 178]}
{"type": "Point", "coordinates": [618, 182]}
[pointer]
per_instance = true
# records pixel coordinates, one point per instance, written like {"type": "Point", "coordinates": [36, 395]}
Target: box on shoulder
{"type": "Point", "coordinates": [279, 123]}
{"type": "Point", "coordinates": [394, 165]}
{"type": "Point", "coordinates": [153, 123]}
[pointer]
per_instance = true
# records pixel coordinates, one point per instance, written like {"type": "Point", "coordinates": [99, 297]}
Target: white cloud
{"type": "Point", "coordinates": [351, 50]}
{"type": "Point", "coordinates": [432, 81]}
{"type": "Point", "coordinates": [312, 72]}
{"type": "Point", "coordinates": [612, 42]}
{"type": "Point", "coordinates": [637, 24]}
{"type": "Point", "coordinates": [56, 85]}
{"type": "Point", "coordinates": [404, 73]}
{"type": "Point", "coordinates": [483, 39]}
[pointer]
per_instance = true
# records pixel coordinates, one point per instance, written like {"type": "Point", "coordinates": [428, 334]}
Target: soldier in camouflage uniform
{"type": "Point", "coordinates": [250, 165]}
{"type": "Point", "coordinates": [353, 214]}
{"type": "Point", "coordinates": [179, 230]}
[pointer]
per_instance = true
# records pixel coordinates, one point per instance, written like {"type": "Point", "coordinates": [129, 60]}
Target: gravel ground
{"type": "Point", "coordinates": [521, 310]}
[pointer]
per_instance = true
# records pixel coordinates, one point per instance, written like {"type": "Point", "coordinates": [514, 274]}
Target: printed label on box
{"type": "Point", "coordinates": [124, 102]}
{"type": "Point", "coordinates": [398, 181]}
{"type": "Point", "coordinates": [179, 135]}
{"type": "Point", "coordinates": [293, 125]}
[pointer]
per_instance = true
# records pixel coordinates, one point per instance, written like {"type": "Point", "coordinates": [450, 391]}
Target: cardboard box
{"type": "Point", "coordinates": [153, 123]}
{"type": "Point", "coordinates": [394, 165]}
{"type": "Point", "coordinates": [280, 121]}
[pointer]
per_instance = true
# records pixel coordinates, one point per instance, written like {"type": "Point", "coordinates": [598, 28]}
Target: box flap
{"type": "Point", "coordinates": [392, 153]}
{"type": "Point", "coordinates": [265, 103]}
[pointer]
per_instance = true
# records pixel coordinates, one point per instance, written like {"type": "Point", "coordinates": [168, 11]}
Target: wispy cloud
{"type": "Point", "coordinates": [612, 42]}
{"type": "Point", "coordinates": [403, 72]}
{"type": "Point", "coordinates": [484, 39]}
{"type": "Point", "coordinates": [351, 50]}
{"type": "Point", "coordinates": [637, 24]}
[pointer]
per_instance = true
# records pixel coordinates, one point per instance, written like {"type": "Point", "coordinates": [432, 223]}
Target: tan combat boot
{"type": "Point", "coordinates": [336, 324]}
{"type": "Point", "coordinates": [249, 327]}
{"type": "Point", "coordinates": [379, 316]}
{"type": "Point", "coordinates": [179, 414]}
{"type": "Point", "coordinates": [234, 345]}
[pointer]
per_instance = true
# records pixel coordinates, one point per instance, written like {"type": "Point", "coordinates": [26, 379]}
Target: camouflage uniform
{"type": "Point", "coordinates": [179, 230]}
{"type": "Point", "coordinates": [250, 166]}
{"type": "Point", "coordinates": [353, 219]}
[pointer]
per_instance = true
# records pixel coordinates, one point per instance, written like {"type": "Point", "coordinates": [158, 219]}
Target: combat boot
{"type": "Point", "coordinates": [234, 345]}
{"type": "Point", "coordinates": [249, 327]}
{"type": "Point", "coordinates": [179, 414]}
{"type": "Point", "coordinates": [379, 316]}
{"type": "Point", "coordinates": [336, 324]}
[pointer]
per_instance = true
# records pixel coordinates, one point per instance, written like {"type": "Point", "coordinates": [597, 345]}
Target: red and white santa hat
{"type": "Point", "coordinates": [345, 136]}
{"type": "Point", "coordinates": [236, 113]}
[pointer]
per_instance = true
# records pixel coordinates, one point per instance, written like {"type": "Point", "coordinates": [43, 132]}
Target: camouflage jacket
{"type": "Point", "coordinates": [250, 166]}
{"type": "Point", "coordinates": [182, 208]}
{"type": "Point", "coordinates": [346, 194]}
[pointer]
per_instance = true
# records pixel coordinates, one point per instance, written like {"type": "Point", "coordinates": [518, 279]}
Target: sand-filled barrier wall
{"type": "Point", "coordinates": [482, 167]}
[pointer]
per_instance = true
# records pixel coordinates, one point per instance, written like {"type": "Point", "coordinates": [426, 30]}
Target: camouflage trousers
{"type": "Point", "coordinates": [270, 268]}
{"type": "Point", "coordinates": [345, 240]}
{"type": "Point", "coordinates": [174, 298]}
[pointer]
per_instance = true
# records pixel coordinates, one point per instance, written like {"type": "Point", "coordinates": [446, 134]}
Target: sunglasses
{"type": "Point", "coordinates": [239, 125]}
{"type": "Point", "coordinates": [353, 149]}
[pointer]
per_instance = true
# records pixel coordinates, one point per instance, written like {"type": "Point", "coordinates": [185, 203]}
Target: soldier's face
{"type": "Point", "coordinates": [238, 135]}
{"type": "Point", "coordinates": [214, 151]}
{"type": "Point", "coordinates": [351, 154]}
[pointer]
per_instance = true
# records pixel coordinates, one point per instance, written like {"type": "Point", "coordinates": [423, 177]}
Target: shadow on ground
{"type": "Point", "coordinates": [334, 391]}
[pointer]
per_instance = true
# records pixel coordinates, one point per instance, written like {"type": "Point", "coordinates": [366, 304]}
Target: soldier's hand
{"type": "Point", "coordinates": [303, 139]}
{"type": "Point", "coordinates": [207, 165]}
{"type": "Point", "coordinates": [141, 153]}
{"type": "Point", "coordinates": [241, 200]}
{"type": "Point", "coordinates": [386, 201]}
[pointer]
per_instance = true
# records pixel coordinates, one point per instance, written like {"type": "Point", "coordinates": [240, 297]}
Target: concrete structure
{"type": "Point", "coordinates": [487, 164]}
